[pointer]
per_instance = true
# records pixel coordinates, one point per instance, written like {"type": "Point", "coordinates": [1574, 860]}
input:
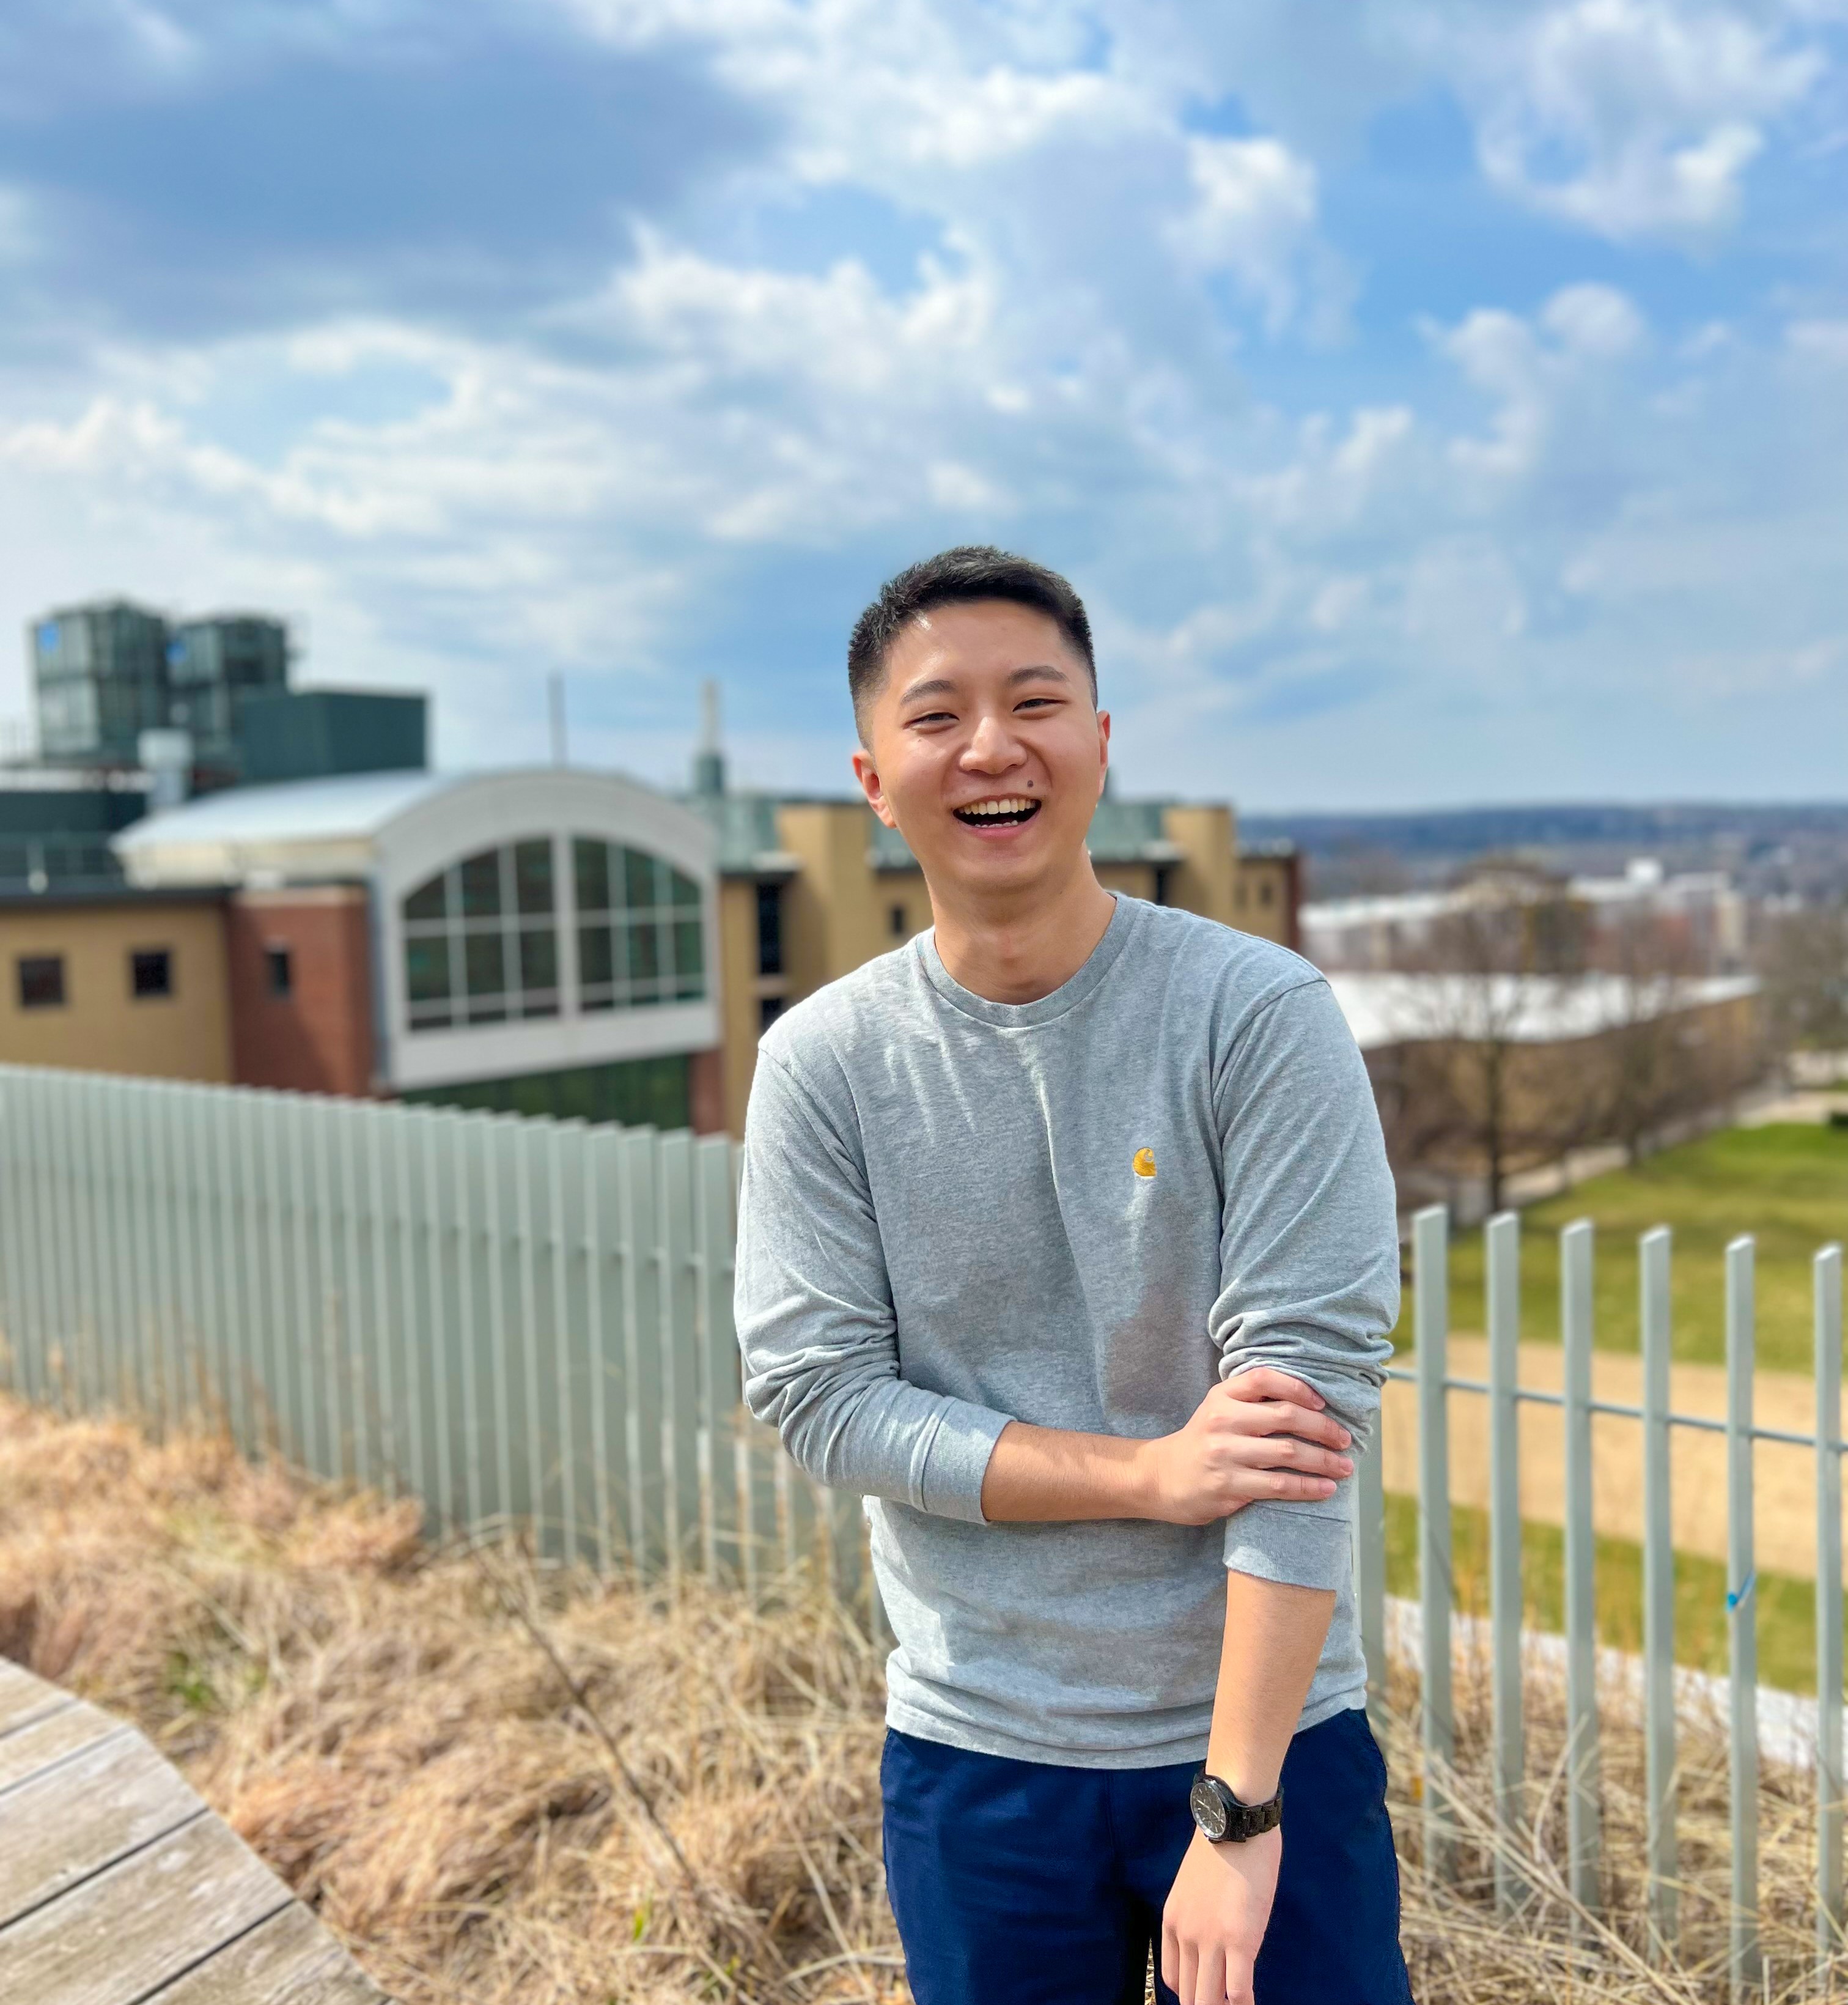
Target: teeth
{"type": "Point", "coordinates": [1015, 806]}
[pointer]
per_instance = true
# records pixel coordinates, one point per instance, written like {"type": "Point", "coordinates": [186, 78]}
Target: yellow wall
{"type": "Point", "coordinates": [1261, 898]}
{"type": "Point", "coordinates": [832, 911]}
{"type": "Point", "coordinates": [1204, 880]}
{"type": "Point", "coordinates": [1135, 880]}
{"type": "Point", "coordinates": [102, 1026]}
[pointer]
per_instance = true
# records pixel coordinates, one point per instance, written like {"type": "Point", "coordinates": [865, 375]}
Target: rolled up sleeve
{"type": "Point", "coordinates": [815, 1321]}
{"type": "Point", "coordinates": [1309, 1254]}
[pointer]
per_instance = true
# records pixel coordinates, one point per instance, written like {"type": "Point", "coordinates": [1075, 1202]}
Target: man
{"type": "Point", "coordinates": [1067, 1239]}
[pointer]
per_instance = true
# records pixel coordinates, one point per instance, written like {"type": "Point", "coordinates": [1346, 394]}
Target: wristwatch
{"type": "Point", "coordinates": [1222, 1819]}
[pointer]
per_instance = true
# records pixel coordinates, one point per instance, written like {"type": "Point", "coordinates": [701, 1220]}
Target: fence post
{"type": "Point", "coordinates": [720, 1389]}
{"type": "Point", "coordinates": [1583, 1836]}
{"type": "Point", "coordinates": [1431, 1305]}
{"type": "Point", "coordinates": [1502, 1274]}
{"type": "Point", "coordinates": [1658, 1596]}
{"type": "Point", "coordinates": [1369, 1569]}
{"type": "Point", "coordinates": [1827, 1278]}
{"type": "Point", "coordinates": [1741, 1604]}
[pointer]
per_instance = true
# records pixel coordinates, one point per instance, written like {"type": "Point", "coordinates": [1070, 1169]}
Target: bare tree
{"type": "Point", "coordinates": [1802, 960]}
{"type": "Point", "coordinates": [1474, 1086]}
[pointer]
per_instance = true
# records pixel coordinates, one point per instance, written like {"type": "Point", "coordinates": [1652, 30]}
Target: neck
{"type": "Point", "coordinates": [1021, 948]}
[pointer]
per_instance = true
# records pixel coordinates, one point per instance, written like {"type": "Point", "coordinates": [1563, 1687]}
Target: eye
{"type": "Point", "coordinates": [933, 717]}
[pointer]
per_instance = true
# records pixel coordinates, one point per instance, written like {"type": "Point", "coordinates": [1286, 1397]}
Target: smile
{"type": "Point", "coordinates": [1009, 812]}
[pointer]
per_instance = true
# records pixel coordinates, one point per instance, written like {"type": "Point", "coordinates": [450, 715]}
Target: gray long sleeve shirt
{"type": "Point", "coordinates": [1074, 1212]}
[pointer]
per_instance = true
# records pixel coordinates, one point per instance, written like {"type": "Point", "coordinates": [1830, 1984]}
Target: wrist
{"type": "Point", "coordinates": [1143, 1493]}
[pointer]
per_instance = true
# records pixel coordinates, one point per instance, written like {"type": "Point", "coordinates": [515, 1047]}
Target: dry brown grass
{"type": "Point", "coordinates": [376, 1718]}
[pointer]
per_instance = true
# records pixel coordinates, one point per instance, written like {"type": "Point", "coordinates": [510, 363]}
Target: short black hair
{"type": "Point", "coordinates": [961, 576]}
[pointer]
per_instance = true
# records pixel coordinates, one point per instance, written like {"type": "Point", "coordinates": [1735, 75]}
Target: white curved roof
{"type": "Point", "coordinates": [340, 827]}
{"type": "Point", "coordinates": [351, 805]}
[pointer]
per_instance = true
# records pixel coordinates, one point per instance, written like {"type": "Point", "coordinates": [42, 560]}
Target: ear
{"type": "Point", "coordinates": [1104, 749]}
{"type": "Point", "coordinates": [867, 775]}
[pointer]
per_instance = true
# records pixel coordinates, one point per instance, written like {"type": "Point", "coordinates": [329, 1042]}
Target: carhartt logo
{"type": "Point", "coordinates": [1142, 1162]}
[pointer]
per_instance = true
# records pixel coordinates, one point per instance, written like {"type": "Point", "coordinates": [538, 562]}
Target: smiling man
{"type": "Point", "coordinates": [1067, 1239]}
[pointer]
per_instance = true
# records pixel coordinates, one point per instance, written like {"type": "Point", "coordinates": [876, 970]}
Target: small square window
{"type": "Point", "coordinates": [41, 981]}
{"type": "Point", "coordinates": [900, 928]}
{"type": "Point", "coordinates": [279, 969]}
{"type": "Point", "coordinates": [151, 972]}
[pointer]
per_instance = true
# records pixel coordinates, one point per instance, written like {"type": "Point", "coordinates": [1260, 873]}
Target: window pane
{"type": "Point", "coordinates": [426, 970]}
{"type": "Point", "coordinates": [487, 965]}
{"type": "Point", "coordinates": [151, 972]}
{"type": "Point", "coordinates": [685, 891]}
{"type": "Point", "coordinates": [532, 876]}
{"type": "Point", "coordinates": [644, 951]}
{"type": "Point", "coordinates": [591, 863]}
{"type": "Point", "coordinates": [538, 958]}
{"type": "Point", "coordinates": [481, 885]}
{"type": "Point", "coordinates": [41, 981]}
{"type": "Point", "coordinates": [430, 900]}
{"type": "Point", "coordinates": [487, 1009]}
{"type": "Point", "coordinates": [639, 873]}
{"type": "Point", "coordinates": [689, 955]}
{"type": "Point", "coordinates": [593, 965]}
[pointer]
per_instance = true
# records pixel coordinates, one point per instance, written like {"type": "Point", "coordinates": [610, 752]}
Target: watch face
{"type": "Point", "coordinates": [1208, 1807]}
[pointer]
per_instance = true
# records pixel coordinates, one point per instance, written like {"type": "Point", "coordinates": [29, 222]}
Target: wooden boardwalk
{"type": "Point", "coordinates": [118, 1886]}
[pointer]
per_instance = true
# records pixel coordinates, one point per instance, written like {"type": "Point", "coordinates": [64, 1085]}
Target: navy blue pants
{"type": "Point", "coordinates": [1018, 1882]}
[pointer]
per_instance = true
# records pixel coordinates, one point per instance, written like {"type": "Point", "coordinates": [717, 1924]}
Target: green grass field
{"type": "Point", "coordinates": [1787, 1186]}
{"type": "Point", "coordinates": [1786, 1607]}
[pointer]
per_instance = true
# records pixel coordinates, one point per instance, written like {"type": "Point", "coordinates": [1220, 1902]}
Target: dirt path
{"type": "Point", "coordinates": [1785, 1500]}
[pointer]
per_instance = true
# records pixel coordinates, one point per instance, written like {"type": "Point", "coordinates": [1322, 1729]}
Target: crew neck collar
{"type": "Point", "coordinates": [1068, 995]}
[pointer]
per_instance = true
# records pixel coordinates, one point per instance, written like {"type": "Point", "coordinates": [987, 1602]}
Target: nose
{"type": "Point", "coordinates": [992, 747]}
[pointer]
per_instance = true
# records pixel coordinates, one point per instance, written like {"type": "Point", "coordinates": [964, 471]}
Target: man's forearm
{"type": "Point", "coordinates": [1046, 1476]}
{"type": "Point", "coordinates": [1262, 1435]}
{"type": "Point", "coordinates": [1273, 1639]}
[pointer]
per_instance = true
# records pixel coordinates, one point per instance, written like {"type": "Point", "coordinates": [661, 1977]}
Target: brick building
{"type": "Point", "coordinates": [541, 941]}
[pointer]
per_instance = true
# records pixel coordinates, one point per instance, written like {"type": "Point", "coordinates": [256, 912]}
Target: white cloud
{"type": "Point", "coordinates": [1254, 214]}
{"type": "Point", "coordinates": [1634, 118]}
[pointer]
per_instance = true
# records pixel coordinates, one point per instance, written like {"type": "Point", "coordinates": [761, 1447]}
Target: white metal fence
{"type": "Point", "coordinates": [531, 1321]}
{"type": "Point", "coordinates": [1434, 1382]}
{"type": "Point", "coordinates": [520, 1320]}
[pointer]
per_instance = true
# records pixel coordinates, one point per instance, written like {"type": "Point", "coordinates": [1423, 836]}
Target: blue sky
{"type": "Point", "coordinates": [1436, 402]}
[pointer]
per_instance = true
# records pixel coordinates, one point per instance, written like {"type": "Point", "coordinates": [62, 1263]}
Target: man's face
{"type": "Point", "coordinates": [983, 747]}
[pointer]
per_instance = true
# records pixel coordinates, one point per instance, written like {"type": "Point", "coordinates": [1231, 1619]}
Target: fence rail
{"type": "Point", "coordinates": [529, 1321]}
{"type": "Point", "coordinates": [1435, 1385]}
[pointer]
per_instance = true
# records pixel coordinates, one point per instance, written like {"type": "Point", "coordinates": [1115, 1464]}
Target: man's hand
{"type": "Point", "coordinates": [1215, 1919]}
{"type": "Point", "coordinates": [1263, 1434]}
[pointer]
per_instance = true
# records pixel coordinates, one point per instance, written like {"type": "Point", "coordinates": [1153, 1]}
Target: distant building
{"type": "Point", "coordinates": [317, 733]}
{"type": "Point", "coordinates": [213, 665]}
{"type": "Point", "coordinates": [99, 677]}
{"type": "Point", "coordinates": [115, 980]}
{"type": "Point", "coordinates": [105, 674]}
{"type": "Point", "coordinates": [1697, 917]}
{"type": "Point", "coordinates": [811, 887]}
{"type": "Point", "coordinates": [543, 941]}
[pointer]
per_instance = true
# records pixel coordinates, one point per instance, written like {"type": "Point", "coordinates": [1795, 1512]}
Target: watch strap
{"type": "Point", "coordinates": [1243, 1820]}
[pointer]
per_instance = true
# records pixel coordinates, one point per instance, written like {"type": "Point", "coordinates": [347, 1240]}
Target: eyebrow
{"type": "Point", "coordinates": [941, 685]}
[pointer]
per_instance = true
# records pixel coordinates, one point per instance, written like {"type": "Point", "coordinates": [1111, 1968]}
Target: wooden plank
{"type": "Point", "coordinates": [128, 1930]}
{"type": "Point", "coordinates": [288, 1960]}
{"type": "Point", "coordinates": [56, 1734]}
{"type": "Point", "coordinates": [81, 1816]}
{"type": "Point", "coordinates": [22, 1696]}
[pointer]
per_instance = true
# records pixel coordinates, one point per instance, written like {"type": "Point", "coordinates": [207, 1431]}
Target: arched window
{"type": "Point", "coordinates": [481, 939]}
{"type": "Point", "coordinates": [641, 935]}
